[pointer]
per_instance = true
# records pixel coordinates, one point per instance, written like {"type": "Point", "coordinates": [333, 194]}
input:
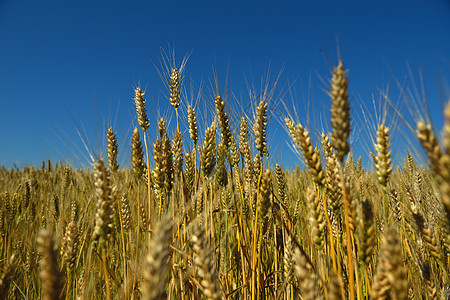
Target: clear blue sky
{"type": "Point", "coordinates": [74, 64]}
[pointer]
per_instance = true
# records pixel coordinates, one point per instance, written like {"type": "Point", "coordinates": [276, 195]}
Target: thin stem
{"type": "Point", "coordinates": [178, 122]}
{"type": "Point", "coordinates": [330, 229]}
{"type": "Point", "coordinates": [137, 238]}
{"type": "Point", "coordinates": [108, 290]}
{"type": "Point", "coordinates": [123, 243]}
{"type": "Point", "coordinates": [148, 186]}
{"type": "Point", "coordinates": [349, 248]}
{"type": "Point", "coordinates": [255, 233]}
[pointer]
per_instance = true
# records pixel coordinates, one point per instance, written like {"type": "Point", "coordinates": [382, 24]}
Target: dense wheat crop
{"type": "Point", "coordinates": [204, 212]}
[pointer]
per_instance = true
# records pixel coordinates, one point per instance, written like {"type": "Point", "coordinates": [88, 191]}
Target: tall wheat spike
{"type": "Point", "coordinates": [234, 151]}
{"type": "Point", "coordinates": [221, 171]}
{"type": "Point", "coordinates": [174, 86]}
{"type": "Point", "coordinates": [259, 128]}
{"type": "Point", "coordinates": [390, 280]}
{"type": "Point", "coordinates": [366, 232]}
{"type": "Point", "coordinates": [316, 217]}
{"type": "Point", "coordinates": [302, 140]}
{"type": "Point", "coordinates": [177, 153]}
{"type": "Point", "coordinates": [430, 285]}
{"type": "Point", "coordinates": [208, 155]}
{"type": "Point", "coordinates": [332, 178]}
{"type": "Point", "coordinates": [383, 161]}
{"type": "Point", "coordinates": [112, 150]}
{"type": "Point", "coordinates": [192, 120]}
{"type": "Point", "coordinates": [6, 276]}
{"type": "Point", "coordinates": [446, 135]}
{"type": "Point", "coordinates": [141, 110]}
{"type": "Point", "coordinates": [340, 112]}
{"type": "Point", "coordinates": [265, 204]}
{"type": "Point", "coordinates": [137, 155]}
{"type": "Point", "coordinates": [157, 261]}
{"type": "Point", "coordinates": [69, 246]}
{"type": "Point", "coordinates": [205, 263]}
{"type": "Point", "coordinates": [306, 276]}
{"type": "Point", "coordinates": [223, 121]}
{"type": "Point", "coordinates": [104, 204]}
{"type": "Point", "coordinates": [50, 275]}
{"type": "Point", "coordinates": [439, 161]}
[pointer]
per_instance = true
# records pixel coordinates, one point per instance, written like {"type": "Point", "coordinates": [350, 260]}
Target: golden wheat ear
{"type": "Point", "coordinates": [302, 140]}
{"type": "Point", "coordinates": [224, 125]}
{"type": "Point", "coordinates": [157, 261]}
{"type": "Point", "coordinates": [7, 276]}
{"type": "Point", "coordinates": [69, 246]}
{"type": "Point", "coordinates": [141, 111]}
{"type": "Point", "coordinates": [204, 261]}
{"type": "Point", "coordinates": [316, 217]}
{"type": "Point", "coordinates": [112, 150]}
{"type": "Point", "coordinates": [391, 278]}
{"type": "Point", "coordinates": [192, 120]}
{"type": "Point", "coordinates": [137, 155]}
{"type": "Point", "coordinates": [174, 87]}
{"type": "Point", "coordinates": [332, 178]}
{"type": "Point", "coordinates": [208, 155]}
{"type": "Point", "coordinates": [306, 276]}
{"type": "Point", "coordinates": [260, 127]}
{"type": "Point", "coordinates": [221, 173]}
{"type": "Point", "coordinates": [265, 205]}
{"type": "Point", "coordinates": [104, 204]}
{"type": "Point", "coordinates": [383, 161]}
{"type": "Point", "coordinates": [50, 274]}
{"type": "Point", "coordinates": [340, 112]}
{"type": "Point", "coordinates": [439, 159]}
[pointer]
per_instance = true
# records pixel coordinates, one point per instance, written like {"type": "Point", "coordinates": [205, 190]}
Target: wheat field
{"type": "Point", "coordinates": [205, 212]}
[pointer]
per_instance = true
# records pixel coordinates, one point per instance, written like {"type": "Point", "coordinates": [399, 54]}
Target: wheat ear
{"type": "Point", "coordinates": [390, 280]}
{"type": "Point", "coordinates": [223, 121]}
{"type": "Point", "coordinates": [340, 112]}
{"type": "Point", "coordinates": [205, 262]}
{"type": "Point", "coordinates": [156, 265]}
{"type": "Point", "coordinates": [112, 150]}
{"type": "Point", "coordinates": [50, 275]}
{"type": "Point", "coordinates": [302, 140]}
{"type": "Point", "coordinates": [141, 111]}
{"type": "Point", "coordinates": [6, 277]}
{"type": "Point", "coordinates": [259, 128]}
